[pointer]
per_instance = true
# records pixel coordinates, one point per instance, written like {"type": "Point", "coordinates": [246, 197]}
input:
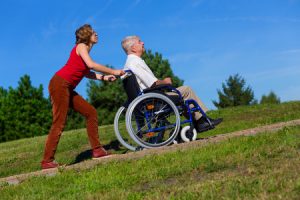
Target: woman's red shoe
{"type": "Point", "coordinates": [100, 152]}
{"type": "Point", "coordinates": [49, 165]}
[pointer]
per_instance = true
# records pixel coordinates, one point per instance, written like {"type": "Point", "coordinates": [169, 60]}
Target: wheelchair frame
{"type": "Point", "coordinates": [138, 105]}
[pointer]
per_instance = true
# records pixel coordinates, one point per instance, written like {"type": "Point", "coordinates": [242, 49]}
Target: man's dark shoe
{"type": "Point", "coordinates": [99, 152]}
{"type": "Point", "coordinates": [202, 124]}
{"type": "Point", "coordinates": [217, 121]}
{"type": "Point", "coordinates": [49, 165]}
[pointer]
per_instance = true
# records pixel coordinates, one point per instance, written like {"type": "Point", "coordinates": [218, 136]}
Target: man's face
{"type": "Point", "coordinates": [138, 46]}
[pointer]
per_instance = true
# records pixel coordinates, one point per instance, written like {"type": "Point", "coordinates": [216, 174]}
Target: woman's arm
{"type": "Point", "coordinates": [95, 76]}
{"type": "Point", "coordinates": [82, 51]}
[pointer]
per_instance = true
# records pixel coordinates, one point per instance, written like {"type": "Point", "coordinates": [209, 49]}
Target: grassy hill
{"type": "Point", "coordinates": [266, 166]}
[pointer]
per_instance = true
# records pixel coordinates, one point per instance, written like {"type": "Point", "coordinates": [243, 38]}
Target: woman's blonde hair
{"type": "Point", "coordinates": [83, 34]}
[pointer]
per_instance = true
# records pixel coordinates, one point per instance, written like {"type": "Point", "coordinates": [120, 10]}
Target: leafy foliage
{"type": "Point", "coordinates": [271, 98]}
{"type": "Point", "coordinates": [234, 93]}
{"type": "Point", "coordinates": [161, 67]}
{"type": "Point", "coordinates": [24, 112]}
{"type": "Point", "coordinates": [108, 97]}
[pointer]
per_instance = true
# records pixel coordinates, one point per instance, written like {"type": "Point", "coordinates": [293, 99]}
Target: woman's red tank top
{"type": "Point", "coordinates": [74, 70]}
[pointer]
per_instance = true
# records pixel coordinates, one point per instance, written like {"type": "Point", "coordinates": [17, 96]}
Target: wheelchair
{"type": "Point", "coordinates": [154, 117]}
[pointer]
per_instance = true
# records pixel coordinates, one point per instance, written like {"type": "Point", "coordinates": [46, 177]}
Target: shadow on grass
{"type": "Point", "coordinates": [86, 155]}
{"type": "Point", "coordinates": [113, 145]}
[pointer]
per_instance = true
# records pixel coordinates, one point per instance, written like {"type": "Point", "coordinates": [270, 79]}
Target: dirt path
{"type": "Point", "coordinates": [16, 179]}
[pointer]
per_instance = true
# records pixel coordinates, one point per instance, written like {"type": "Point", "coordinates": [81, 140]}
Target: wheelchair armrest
{"type": "Point", "coordinates": [167, 87]}
{"type": "Point", "coordinates": [177, 99]}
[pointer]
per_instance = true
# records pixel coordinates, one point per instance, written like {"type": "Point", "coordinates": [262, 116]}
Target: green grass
{"type": "Point", "coordinates": [24, 155]}
{"type": "Point", "coordinates": [244, 117]}
{"type": "Point", "coordinates": [265, 166]}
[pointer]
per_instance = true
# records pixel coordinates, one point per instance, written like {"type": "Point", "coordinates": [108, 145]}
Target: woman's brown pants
{"type": "Point", "coordinates": [64, 97]}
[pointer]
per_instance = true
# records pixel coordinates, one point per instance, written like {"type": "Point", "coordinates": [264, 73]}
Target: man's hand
{"type": "Point", "coordinates": [168, 80]}
{"type": "Point", "coordinates": [109, 78]}
{"type": "Point", "coordinates": [118, 72]}
{"type": "Point", "coordinates": [165, 81]}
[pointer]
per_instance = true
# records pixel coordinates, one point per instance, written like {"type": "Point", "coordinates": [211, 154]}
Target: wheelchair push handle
{"type": "Point", "coordinates": [127, 74]}
{"type": "Point", "coordinates": [124, 76]}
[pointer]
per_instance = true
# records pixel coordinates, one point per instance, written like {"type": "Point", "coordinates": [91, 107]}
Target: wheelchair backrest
{"type": "Point", "coordinates": [131, 88]}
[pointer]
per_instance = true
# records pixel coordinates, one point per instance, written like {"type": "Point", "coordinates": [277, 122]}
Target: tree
{"type": "Point", "coordinates": [108, 97]}
{"type": "Point", "coordinates": [234, 93]}
{"type": "Point", "coordinates": [3, 94]}
{"type": "Point", "coordinates": [161, 67]}
{"type": "Point", "coordinates": [24, 111]}
{"type": "Point", "coordinates": [271, 98]}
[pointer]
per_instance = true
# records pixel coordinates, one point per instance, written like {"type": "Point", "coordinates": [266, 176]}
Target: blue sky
{"type": "Point", "coordinates": [205, 41]}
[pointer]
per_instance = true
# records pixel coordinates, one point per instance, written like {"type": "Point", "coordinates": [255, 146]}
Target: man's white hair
{"type": "Point", "coordinates": [128, 42]}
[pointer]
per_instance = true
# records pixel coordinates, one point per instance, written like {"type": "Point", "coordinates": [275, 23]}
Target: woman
{"type": "Point", "coordinates": [63, 96]}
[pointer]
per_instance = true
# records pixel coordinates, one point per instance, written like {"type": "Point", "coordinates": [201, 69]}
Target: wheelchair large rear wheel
{"type": "Point", "coordinates": [152, 120]}
{"type": "Point", "coordinates": [120, 130]}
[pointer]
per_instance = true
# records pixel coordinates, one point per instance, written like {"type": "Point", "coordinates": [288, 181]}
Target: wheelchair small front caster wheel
{"type": "Point", "coordinates": [187, 135]}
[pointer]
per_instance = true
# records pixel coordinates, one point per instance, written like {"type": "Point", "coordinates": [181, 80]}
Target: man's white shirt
{"type": "Point", "coordinates": [143, 73]}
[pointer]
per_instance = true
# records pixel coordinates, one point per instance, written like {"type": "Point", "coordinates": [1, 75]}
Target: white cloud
{"type": "Point", "coordinates": [113, 24]}
{"type": "Point", "coordinates": [49, 31]}
{"type": "Point", "coordinates": [196, 3]}
{"type": "Point", "coordinates": [277, 73]}
{"type": "Point", "coordinates": [136, 2]}
{"type": "Point", "coordinates": [91, 19]}
{"type": "Point", "coordinates": [209, 60]}
{"type": "Point", "coordinates": [132, 6]}
{"type": "Point", "coordinates": [266, 19]}
{"type": "Point", "coordinates": [293, 1]}
{"type": "Point", "coordinates": [178, 21]}
{"type": "Point", "coordinates": [290, 51]}
{"type": "Point", "coordinates": [186, 56]}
